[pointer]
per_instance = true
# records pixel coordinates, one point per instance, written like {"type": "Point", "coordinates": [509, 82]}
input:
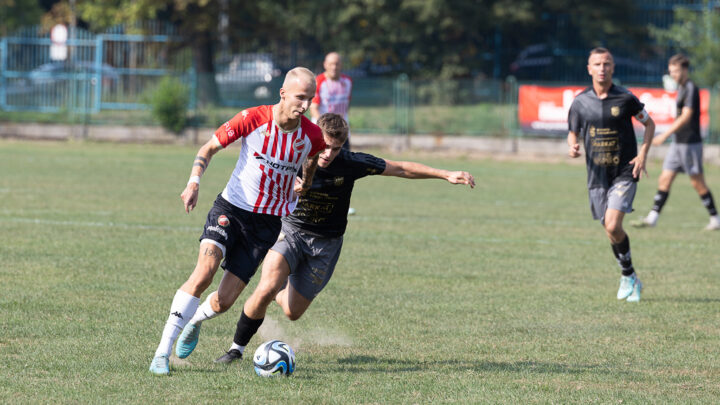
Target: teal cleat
{"type": "Point", "coordinates": [188, 340]}
{"type": "Point", "coordinates": [160, 365]}
{"type": "Point", "coordinates": [627, 284]}
{"type": "Point", "coordinates": [637, 289]}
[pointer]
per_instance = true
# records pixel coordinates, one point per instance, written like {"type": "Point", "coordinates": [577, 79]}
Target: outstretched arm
{"type": "Point", "coordinates": [189, 196]}
{"type": "Point", "coordinates": [412, 170]}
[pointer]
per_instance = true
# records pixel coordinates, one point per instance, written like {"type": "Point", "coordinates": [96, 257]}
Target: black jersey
{"type": "Point", "coordinates": [606, 128]}
{"type": "Point", "coordinates": [323, 210]}
{"type": "Point", "coordinates": [688, 95]}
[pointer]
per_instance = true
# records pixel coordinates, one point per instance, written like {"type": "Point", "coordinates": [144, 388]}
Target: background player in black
{"type": "Point", "coordinates": [602, 115]}
{"type": "Point", "coordinates": [313, 233]}
{"type": "Point", "coordinates": [686, 150]}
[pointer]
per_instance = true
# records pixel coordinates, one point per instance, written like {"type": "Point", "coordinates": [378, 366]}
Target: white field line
{"type": "Point", "coordinates": [120, 225]}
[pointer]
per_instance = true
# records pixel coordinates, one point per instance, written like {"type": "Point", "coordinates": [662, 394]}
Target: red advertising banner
{"type": "Point", "coordinates": [545, 109]}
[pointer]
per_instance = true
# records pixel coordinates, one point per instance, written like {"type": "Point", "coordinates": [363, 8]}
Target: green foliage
{"type": "Point", "coordinates": [17, 13]}
{"type": "Point", "coordinates": [169, 103]}
{"type": "Point", "coordinates": [696, 33]}
{"type": "Point", "coordinates": [502, 294]}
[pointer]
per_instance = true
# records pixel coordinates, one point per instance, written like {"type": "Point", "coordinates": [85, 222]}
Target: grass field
{"type": "Point", "coordinates": [501, 294]}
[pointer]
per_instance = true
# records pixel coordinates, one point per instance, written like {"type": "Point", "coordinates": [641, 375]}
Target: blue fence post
{"type": "Point", "coordinates": [3, 68]}
{"type": "Point", "coordinates": [97, 105]}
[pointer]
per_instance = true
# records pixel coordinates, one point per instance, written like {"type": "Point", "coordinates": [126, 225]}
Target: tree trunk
{"type": "Point", "coordinates": [203, 58]}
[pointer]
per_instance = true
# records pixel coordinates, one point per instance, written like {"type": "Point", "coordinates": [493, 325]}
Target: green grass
{"type": "Point", "coordinates": [478, 119]}
{"type": "Point", "coordinates": [443, 294]}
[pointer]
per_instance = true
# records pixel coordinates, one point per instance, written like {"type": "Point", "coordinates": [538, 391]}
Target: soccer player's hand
{"type": "Point", "coordinates": [574, 150]}
{"type": "Point", "coordinates": [461, 178]}
{"type": "Point", "coordinates": [660, 139]}
{"type": "Point", "coordinates": [639, 167]}
{"type": "Point", "coordinates": [300, 187]}
{"type": "Point", "coordinates": [189, 196]}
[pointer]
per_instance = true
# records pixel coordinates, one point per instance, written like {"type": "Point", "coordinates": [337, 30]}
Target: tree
{"type": "Point", "coordinates": [16, 13]}
{"type": "Point", "coordinates": [696, 33]}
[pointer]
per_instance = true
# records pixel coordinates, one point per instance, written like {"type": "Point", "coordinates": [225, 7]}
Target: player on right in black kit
{"type": "Point", "coordinates": [303, 259]}
{"type": "Point", "coordinates": [602, 114]}
{"type": "Point", "coordinates": [686, 150]}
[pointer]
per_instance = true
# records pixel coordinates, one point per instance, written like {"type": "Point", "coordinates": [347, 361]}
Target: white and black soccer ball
{"type": "Point", "coordinates": [274, 358]}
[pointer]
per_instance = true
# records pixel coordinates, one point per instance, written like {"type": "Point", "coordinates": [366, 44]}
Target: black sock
{"type": "Point", "coordinates": [622, 254]}
{"type": "Point", "coordinates": [708, 202]}
{"type": "Point", "coordinates": [659, 200]}
{"type": "Point", "coordinates": [246, 329]}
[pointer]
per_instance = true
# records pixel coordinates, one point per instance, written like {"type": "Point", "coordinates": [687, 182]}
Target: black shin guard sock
{"type": "Point", "coordinates": [246, 329]}
{"type": "Point", "coordinates": [622, 254]}
{"type": "Point", "coordinates": [659, 200]}
{"type": "Point", "coordinates": [708, 202]}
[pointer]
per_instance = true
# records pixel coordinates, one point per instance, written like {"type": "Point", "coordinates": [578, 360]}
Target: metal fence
{"type": "Point", "coordinates": [106, 77]}
{"type": "Point", "coordinates": [107, 71]}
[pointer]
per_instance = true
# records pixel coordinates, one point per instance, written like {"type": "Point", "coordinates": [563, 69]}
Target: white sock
{"type": "Point", "coordinates": [183, 307]}
{"type": "Point", "coordinates": [652, 217]}
{"type": "Point", "coordinates": [204, 311]}
{"type": "Point", "coordinates": [237, 347]}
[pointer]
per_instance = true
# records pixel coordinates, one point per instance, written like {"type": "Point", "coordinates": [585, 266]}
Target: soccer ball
{"type": "Point", "coordinates": [274, 358]}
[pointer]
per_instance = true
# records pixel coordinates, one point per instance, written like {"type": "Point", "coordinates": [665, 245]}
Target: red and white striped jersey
{"type": "Point", "coordinates": [269, 160]}
{"type": "Point", "coordinates": [333, 96]}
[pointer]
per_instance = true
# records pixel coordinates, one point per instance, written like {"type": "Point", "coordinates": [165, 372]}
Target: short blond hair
{"type": "Point", "coordinates": [299, 73]}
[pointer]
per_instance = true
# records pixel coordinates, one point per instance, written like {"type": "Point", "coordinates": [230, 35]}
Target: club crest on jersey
{"type": "Point", "coordinates": [266, 133]}
{"type": "Point", "coordinates": [223, 221]}
{"type": "Point", "coordinates": [615, 111]}
{"type": "Point", "coordinates": [339, 180]}
{"type": "Point", "coordinates": [298, 145]}
{"type": "Point", "coordinates": [591, 131]}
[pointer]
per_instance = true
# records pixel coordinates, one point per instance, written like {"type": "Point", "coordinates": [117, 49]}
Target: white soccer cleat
{"type": "Point", "coordinates": [713, 225]}
{"type": "Point", "coordinates": [627, 285]}
{"type": "Point", "coordinates": [645, 222]}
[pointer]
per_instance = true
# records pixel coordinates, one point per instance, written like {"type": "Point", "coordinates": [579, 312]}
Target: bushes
{"type": "Point", "coordinates": [168, 103]}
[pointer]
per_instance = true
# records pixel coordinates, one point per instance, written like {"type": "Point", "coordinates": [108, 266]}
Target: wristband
{"type": "Point", "coordinates": [194, 179]}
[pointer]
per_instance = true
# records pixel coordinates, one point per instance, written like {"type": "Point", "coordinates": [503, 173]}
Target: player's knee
{"type": "Point", "coordinates": [292, 315]}
{"type": "Point", "coordinates": [613, 228]}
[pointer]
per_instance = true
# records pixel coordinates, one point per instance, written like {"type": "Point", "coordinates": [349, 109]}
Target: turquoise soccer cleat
{"type": "Point", "coordinates": [627, 283]}
{"type": "Point", "coordinates": [637, 289]}
{"type": "Point", "coordinates": [188, 340]}
{"type": "Point", "coordinates": [160, 365]}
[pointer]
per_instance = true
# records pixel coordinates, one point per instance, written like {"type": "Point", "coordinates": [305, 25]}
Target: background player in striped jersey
{"type": "Point", "coordinates": [332, 95]}
{"type": "Point", "coordinates": [686, 150]}
{"type": "Point", "coordinates": [244, 221]}
{"type": "Point", "coordinates": [302, 261]}
{"type": "Point", "coordinates": [333, 92]}
{"type": "Point", "coordinates": [602, 114]}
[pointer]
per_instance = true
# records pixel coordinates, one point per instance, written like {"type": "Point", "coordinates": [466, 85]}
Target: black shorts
{"type": "Point", "coordinates": [244, 236]}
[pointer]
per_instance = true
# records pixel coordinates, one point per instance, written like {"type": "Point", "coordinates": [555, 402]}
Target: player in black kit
{"type": "Point", "coordinates": [686, 150]}
{"type": "Point", "coordinates": [602, 115]}
{"type": "Point", "coordinates": [303, 259]}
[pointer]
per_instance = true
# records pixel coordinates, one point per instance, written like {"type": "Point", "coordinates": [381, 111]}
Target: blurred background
{"type": "Point", "coordinates": [440, 67]}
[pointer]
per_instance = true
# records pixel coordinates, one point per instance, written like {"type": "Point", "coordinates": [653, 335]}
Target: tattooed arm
{"type": "Point", "coordinates": [308, 168]}
{"type": "Point", "coordinates": [189, 196]}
